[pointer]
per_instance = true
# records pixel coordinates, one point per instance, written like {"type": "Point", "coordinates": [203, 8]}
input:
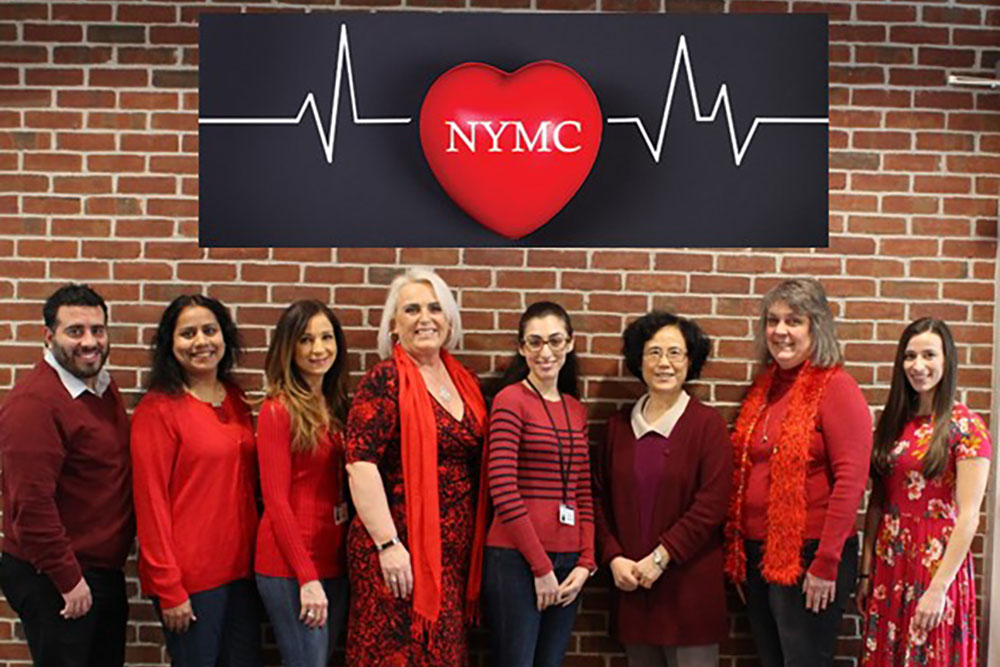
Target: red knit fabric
{"type": "Point", "coordinates": [298, 536]}
{"type": "Point", "coordinates": [67, 491]}
{"type": "Point", "coordinates": [525, 483]}
{"type": "Point", "coordinates": [194, 480]}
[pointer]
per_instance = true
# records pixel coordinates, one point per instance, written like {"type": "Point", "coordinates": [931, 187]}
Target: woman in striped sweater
{"type": "Point", "coordinates": [540, 547]}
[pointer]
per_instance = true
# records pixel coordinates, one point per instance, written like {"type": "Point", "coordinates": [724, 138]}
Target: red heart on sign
{"type": "Point", "coordinates": [511, 149]}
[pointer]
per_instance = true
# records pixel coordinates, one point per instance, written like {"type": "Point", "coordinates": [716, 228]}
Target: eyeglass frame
{"type": "Point", "coordinates": [673, 354]}
{"type": "Point", "coordinates": [542, 342]}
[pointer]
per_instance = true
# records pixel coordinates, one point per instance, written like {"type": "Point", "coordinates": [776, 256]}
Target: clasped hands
{"type": "Point", "coordinates": [549, 592]}
{"type": "Point", "coordinates": [630, 574]}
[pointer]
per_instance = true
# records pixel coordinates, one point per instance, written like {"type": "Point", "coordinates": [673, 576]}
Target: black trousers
{"type": "Point", "coordinates": [785, 632]}
{"type": "Point", "coordinates": [96, 639]}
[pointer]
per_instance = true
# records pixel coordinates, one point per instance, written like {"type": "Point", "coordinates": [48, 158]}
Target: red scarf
{"type": "Point", "coordinates": [786, 501]}
{"type": "Point", "coordinates": [418, 436]}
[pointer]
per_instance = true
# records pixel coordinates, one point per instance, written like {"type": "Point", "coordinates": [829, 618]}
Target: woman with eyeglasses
{"type": "Point", "coordinates": [540, 546]}
{"type": "Point", "coordinates": [662, 486]}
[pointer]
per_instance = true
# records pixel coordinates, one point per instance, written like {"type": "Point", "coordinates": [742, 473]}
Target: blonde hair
{"type": "Point", "coordinates": [419, 274]}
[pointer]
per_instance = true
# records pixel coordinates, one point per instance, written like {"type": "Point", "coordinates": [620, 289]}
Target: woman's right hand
{"type": "Point", "coordinates": [396, 570]}
{"type": "Point", "coordinates": [861, 593]}
{"type": "Point", "coordinates": [622, 571]}
{"type": "Point", "coordinates": [178, 619]}
{"type": "Point", "coordinates": [546, 590]}
{"type": "Point", "coordinates": [313, 604]}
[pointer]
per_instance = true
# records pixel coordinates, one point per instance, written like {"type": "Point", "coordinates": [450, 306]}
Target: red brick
{"type": "Point", "coordinates": [21, 11]}
{"type": "Point", "coordinates": [52, 32]}
{"type": "Point", "coordinates": [889, 55]}
{"type": "Point", "coordinates": [942, 184]}
{"type": "Point", "coordinates": [884, 13]}
{"type": "Point", "coordinates": [565, 259]}
{"type": "Point", "coordinates": [147, 56]}
{"type": "Point", "coordinates": [883, 140]}
{"type": "Point", "coordinates": [876, 224]}
{"type": "Point", "coordinates": [111, 249]}
{"type": "Point", "coordinates": [875, 267]}
{"type": "Point", "coordinates": [811, 265]}
{"type": "Point", "coordinates": [945, 141]}
{"type": "Point", "coordinates": [905, 247]}
{"type": "Point", "coordinates": [52, 76]}
{"type": "Point", "coordinates": [119, 77]}
{"type": "Point", "coordinates": [82, 55]}
{"type": "Point", "coordinates": [116, 163]}
{"type": "Point", "coordinates": [63, 120]}
{"type": "Point", "coordinates": [75, 11]}
{"type": "Point", "coordinates": [980, 248]}
{"type": "Point", "coordinates": [985, 207]}
{"type": "Point", "coordinates": [985, 164]}
{"type": "Point", "coordinates": [113, 206]}
{"type": "Point", "coordinates": [976, 122]}
{"type": "Point", "coordinates": [142, 271]}
{"type": "Point", "coordinates": [851, 245]}
{"type": "Point", "coordinates": [79, 270]}
{"type": "Point", "coordinates": [149, 143]}
{"type": "Point", "coordinates": [909, 204]}
{"type": "Point", "coordinates": [23, 183]}
{"type": "Point", "coordinates": [939, 269]}
{"type": "Point", "coordinates": [146, 13]}
{"type": "Point", "coordinates": [719, 284]}
{"type": "Point", "coordinates": [910, 76]}
{"type": "Point", "coordinates": [745, 264]}
{"type": "Point", "coordinates": [613, 259]}
{"type": "Point", "coordinates": [23, 54]}
{"type": "Point", "coordinates": [184, 122]}
{"type": "Point", "coordinates": [876, 97]}
{"type": "Point", "coordinates": [918, 35]}
{"type": "Point", "coordinates": [90, 99]}
{"type": "Point", "coordinates": [530, 279]}
{"type": "Point", "coordinates": [25, 97]}
{"type": "Point", "coordinates": [147, 185]}
{"type": "Point", "coordinates": [148, 100]}
{"type": "Point", "coordinates": [969, 291]}
{"type": "Point", "coordinates": [910, 289]}
{"type": "Point", "coordinates": [851, 118]}
{"type": "Point", "coordinates": [915, 120]}
{"type": "Point", "coordinates": [77, 227]}
{"type": "Point", "coordinates": [948, 99]}
{"type": "Point", "coordinates": [880, 182]}
{"type": "Point", "coordinates": [270, 273]}
{"type": "Point", "coordinates": [968, 37]}
{"type": "Point", "coordinates": [655, 282]}
{"type": "Point", "coordinates": [172, 250]}
{"type": "Point", "coordinates": [82, 184]}
{"type": "Point", "coordinates": [911, 162]}
{"type": "Point", "coordinates": [50, 205]}
{"type": "Point", "coordinates": [117, 121]}
{"type": "Point", "coordinates": [848, 202]}
{"type": "Point", "coordinates": [182, 208]}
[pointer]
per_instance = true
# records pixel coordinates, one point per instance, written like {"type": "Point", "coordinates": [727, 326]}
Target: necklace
{"type": "Point", "coordinates": [442, 391]}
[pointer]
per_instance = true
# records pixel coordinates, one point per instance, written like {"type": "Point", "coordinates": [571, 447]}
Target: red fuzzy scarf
{"type": "Point", "coordinates": [786, 502]}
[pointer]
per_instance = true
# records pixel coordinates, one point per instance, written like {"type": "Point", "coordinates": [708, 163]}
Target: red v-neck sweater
{"type": "Point", "coordinates": [298, 536]}
{"type": "Point", "coordinates": [194, 475]}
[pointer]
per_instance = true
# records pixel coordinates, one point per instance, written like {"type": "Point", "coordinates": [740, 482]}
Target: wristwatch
{"type": "Point", "coordinates": [385, 545]}
{"type": "Point", "coordinates": [658, 559]}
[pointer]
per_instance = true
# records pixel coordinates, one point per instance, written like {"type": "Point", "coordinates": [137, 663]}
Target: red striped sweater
{"type": "Point", "coordinates": [525, 481]}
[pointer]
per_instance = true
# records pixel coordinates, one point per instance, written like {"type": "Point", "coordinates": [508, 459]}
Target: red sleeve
{"type": "Point", "coordinates": [846, 425]}
{"type": "Point", "coordinates": [585, 496]}
{"type": "Point", "coordinates": [373, 421]}
{"type": "Point", "coordinates": [154, 445]}
{"type": "Point", "coordinates": [973, 438]}
{"type": "Point", "coordinates": [506, 426]}
{"type": "Point", "coordinates": [696, 526]}
{"type": "Point", "coordinates": [33, 455]}
{"type": "Point", "coordinates": [274, 455]}
{"type": "Point", "coordinates": [604, 515]}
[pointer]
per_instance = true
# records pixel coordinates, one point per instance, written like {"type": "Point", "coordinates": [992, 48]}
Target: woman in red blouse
{"type": "Point", "coordinates": [540, 548]}
{"type": "Point", "coordinates": [300, 563]}
{"type": "Point", "coordinates": [801, 448]}
{"type": "Point", "coordinates": [194, 472]}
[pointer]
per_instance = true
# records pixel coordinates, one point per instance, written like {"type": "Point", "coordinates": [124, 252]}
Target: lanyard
{"type": "Point", "coordinates": [563, 470]}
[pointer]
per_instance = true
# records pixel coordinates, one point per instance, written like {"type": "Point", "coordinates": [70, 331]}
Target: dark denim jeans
{"type": "Point", "coordinates": [227, 632]}
{"type": "Point", "coordinates": [520, 635]}
{"type": "Point", "coordinates": [301, 646]}
{"type": "Point", "coordinates": [786, 633]}
{"type": "Point", "coordinates": [96, 639]}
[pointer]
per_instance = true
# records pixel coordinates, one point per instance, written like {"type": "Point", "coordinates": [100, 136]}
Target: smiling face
{"type": "Point", "coordinates": [923, 363]}
{"type": "Point", "coordinates": [198, 342]}
{"type": "Point", "coordinates": [665, 361]}
{"type": "Point", "coordinates": [545, 346]}
{"type": "Point", "coordinates": [788, 335]}
{"type": "Point", "coordinates": [419, 322]}
{"type": "Point", "coordinates": [79, 341]}
{"type": "Point", "coordinates": [316, 349]}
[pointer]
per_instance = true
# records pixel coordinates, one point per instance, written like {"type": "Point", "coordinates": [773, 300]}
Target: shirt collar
{"type": "Point", "coordinates": [74, 385]}
{"type": "Point", "coordinates": [664, 425]}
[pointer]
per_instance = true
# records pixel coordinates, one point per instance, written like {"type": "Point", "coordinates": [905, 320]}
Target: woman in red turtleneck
{"type": "Point", "coordinates": [801, 450]}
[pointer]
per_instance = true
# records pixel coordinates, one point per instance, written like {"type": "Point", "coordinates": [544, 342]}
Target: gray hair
{"type": "Point", "coordinates": [419, 274]}
{"type": "Point", "coordinates": [806, 297]}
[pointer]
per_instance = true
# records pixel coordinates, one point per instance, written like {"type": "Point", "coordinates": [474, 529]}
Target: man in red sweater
{"type": "Point", "coordinates": [67, 492]}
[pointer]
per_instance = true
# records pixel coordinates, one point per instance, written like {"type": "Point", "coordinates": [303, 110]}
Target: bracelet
{"type": "Point", "coordinates": [385, 545]}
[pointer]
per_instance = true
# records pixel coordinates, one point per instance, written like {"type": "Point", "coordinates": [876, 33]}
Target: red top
{"type": "Point", "coordinates": [195, 472]}
{"type": "Point", "coordinates": [525, 482]}
{"type": "Point", "coordinates": [298, 535]}
{"type": "Point", "coordinates": [837, 470]}
{"type": "Point", "coordinates": [67, 488]}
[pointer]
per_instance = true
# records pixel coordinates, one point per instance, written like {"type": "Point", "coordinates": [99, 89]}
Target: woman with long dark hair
{"type": "Point", "coordinates": [300, 563]}
{"type": "Point", "coordinates": [194, 473]}
{"type": "Point", "coordinates": [930, 466]}
{"type": "Point", "coordinates": [540, 547]}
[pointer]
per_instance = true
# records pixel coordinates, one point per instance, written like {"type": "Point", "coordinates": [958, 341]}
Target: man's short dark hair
{"type": "Point", "coordinates": [72, 294]}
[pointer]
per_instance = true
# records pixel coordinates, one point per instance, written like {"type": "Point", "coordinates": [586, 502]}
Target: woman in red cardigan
{"type": "Point", "coordinates": [300, 564]}
{"type": "Point", "coordinates": [662, 486]}
{"type": "Point", "coordinates": [194, 473]}
{"type": "Point", "coordinates": [801, 448]}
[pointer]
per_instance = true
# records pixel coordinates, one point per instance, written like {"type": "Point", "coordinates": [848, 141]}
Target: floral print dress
{"type": "Point", "coordinates": [918, 517]}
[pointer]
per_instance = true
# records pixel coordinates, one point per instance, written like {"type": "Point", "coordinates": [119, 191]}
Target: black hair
{"type": "Point", "coordinates": [637, 333]}
{"type": "Point", "coordinates": [517, 369]}
{"type": "Point", "coordinates": [73, 294]}
{"type": "Point", "coordinates": [167, 375]}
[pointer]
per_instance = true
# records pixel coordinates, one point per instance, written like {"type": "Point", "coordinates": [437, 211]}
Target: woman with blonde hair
{"type": "Point", "coordinates": [414, 451]}
{"type": "Point", "coordinates": [300, 564]}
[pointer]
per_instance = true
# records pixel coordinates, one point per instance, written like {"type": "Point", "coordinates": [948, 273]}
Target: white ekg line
{"type": "Point", "coordinates": [722, 100]}
{"type": "Point", "coordinates": [327, 138]}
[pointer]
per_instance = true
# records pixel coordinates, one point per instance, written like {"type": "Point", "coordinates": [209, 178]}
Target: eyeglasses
{"type": "Point", "coordinates": [673, 354]}
{"type": "Point", "coordinates": [556, 342]}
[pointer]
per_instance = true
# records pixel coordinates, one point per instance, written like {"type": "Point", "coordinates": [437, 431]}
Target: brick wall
{"type": "Point", "coordinates": [98, 183]}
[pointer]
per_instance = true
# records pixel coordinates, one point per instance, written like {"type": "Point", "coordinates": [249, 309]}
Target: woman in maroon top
{"type": "Point", "coordinates": [540, 548]}
{"type": "Point", "coordinates": [300, 562]}
{"type": "Point", "coordinates": [801, 449]}
{"type": "Point", "coordinates": [662, 488]}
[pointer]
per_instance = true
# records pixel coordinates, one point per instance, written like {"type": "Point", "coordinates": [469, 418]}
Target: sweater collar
{"type": "Point", "coordinates": [74, 385]}
{"type": "Point", "coordinates": [664, 425]}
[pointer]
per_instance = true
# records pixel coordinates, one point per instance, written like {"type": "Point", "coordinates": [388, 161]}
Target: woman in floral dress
{"type": "Point", "coordinates": [930, 465]}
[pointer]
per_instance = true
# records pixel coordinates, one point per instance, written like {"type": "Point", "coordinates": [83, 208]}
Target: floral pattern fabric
{"type": "Point", "coordinates": [917, 520]}
{"type": "Point", "coordinates": [380, 632]}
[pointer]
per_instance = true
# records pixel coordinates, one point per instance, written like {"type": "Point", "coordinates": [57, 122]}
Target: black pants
{"type": "Point", "coordinates": [786, 633]}
{"type": "Point", "coordinates": [96, 639]}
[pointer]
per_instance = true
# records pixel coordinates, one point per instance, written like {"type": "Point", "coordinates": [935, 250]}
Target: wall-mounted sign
{"type": "Point", "coordinates": [470, 129]}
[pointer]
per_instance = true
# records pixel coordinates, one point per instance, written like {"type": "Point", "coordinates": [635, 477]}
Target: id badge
{"type": "Point", "coordinates": [567, 515]}
{"type": "Point", "coordinates": [340, 514]}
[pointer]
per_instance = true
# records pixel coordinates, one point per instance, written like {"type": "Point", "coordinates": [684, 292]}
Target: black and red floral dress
{"type": "Point", "coordinates": [379, 628]}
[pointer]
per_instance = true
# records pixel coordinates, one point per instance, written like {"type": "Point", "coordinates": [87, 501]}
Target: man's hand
{"type": "Point", "coordinates": [78, 601]}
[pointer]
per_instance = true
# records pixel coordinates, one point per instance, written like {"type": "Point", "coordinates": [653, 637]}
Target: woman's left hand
{"type": "Point", "coordinates": [646, 571]}
{"type": "Point", "coordinates": [571, 586]}
{"type": "Point", "coordinates": [820, 593]}
{"type": "Point", "coordinates": [930, 609]}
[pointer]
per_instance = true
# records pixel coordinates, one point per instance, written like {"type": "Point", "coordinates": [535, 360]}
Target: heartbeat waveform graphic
{"type": "Point", "coordinates": [721, 101]}
{"type": "Point", "coordinates": [327, 136]}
